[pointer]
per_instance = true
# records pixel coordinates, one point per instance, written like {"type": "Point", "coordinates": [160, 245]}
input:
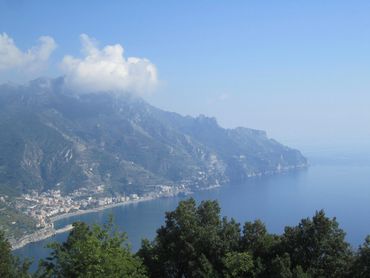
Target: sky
{"type": "Point", "coordinates": [298, 69]}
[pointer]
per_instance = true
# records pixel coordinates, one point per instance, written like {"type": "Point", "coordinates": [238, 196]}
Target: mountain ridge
{"type": "Point", "coordinates": [53, 138]}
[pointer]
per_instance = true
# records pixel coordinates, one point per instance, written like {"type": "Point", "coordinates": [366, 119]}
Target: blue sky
{"type": "Point", "coordinates": [298, 69]}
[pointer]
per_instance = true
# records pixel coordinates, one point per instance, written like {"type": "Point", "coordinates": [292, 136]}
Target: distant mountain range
{"type": "Point", "coordinates": [55, 139]}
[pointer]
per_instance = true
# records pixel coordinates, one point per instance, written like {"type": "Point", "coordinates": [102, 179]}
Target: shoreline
{"type": "Point", "coordinates": [35, 236]}
{"type": "Point", "coordinates": [39, 235]}
{"type": "Point", "coordinates": [50, 231]}
{"type": "Point", "coordinates": [97, 209]}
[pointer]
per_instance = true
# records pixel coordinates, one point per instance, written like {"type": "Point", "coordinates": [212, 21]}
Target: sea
{"type": "Point", "coordinates": [337, 181]}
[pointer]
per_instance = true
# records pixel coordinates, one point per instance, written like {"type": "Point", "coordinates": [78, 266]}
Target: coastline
{"type": "Point", "coordinates": [50, 231]}
{"type": "Point", "coordinates": [39, 235]}
{"type": "Point", "coordinates": [47, 232]}
{"type": "Point", "coordinates": [44, 233]}
{"type": "Point", "coordinates": [86, 211]}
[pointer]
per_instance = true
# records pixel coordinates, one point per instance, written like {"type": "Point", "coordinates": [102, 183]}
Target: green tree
{"type": "Point", "coordinates": [11, 266]}
{"type": "Point", "coordinates": [192, 243]}
{"type": "Point", "coordinates": [318, 246]}
{"type": "Point", "coordinates": [262, 245]}
{"type": "Point", "coordinates": [238, 264]}
{"type": "Point", "coordinates": [281, 267]}
{"type": "Point", "coordinates": [92, 252]}
{"type": "Point", "coordinates": [361, 265]}
{"type": "Point", "coordinates": [299, 273]}
{"type": "Point", "coordinates": [257, 240]}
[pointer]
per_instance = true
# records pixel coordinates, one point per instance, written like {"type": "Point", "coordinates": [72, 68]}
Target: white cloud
{"type": "Point", "coordinates": [107, 69]}
{"type": "Point", "coordinates": [30, 62]}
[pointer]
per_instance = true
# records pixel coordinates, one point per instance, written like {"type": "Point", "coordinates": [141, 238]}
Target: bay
{"type": "Point", "coordinates": [339, 183]}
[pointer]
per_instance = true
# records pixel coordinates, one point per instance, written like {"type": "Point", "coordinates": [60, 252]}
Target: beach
{"type": "Point", "coordinates": [49, 231]}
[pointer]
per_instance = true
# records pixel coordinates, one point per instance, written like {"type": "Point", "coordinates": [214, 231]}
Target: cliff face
{"type": "Point", "coordinates": [54, 139]}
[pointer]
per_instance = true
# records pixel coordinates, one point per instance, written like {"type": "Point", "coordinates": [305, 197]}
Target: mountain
{"type": "Point", "coordinates": [52, 138]}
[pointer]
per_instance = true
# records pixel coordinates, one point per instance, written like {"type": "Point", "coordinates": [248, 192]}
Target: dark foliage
{"type": "Point", "coordinates": [92, 252]}
{"type": "Point", "coordinates": [361, 265]}
{"type": "Point", "coordinates": [196, 241]}
{"type": "Point", "coordinates": [10, 266]}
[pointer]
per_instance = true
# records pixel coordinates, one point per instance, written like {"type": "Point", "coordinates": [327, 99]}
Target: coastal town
{"type": "Point", "coordinates": [49, 206]}
{"type": "Point", "coordinates": [44, 208]}
{"type": "Point", "coordinates": [52, 205]}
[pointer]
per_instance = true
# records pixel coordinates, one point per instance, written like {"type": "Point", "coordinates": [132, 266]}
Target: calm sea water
{"type": "Point", "coordinates": [337, 183]}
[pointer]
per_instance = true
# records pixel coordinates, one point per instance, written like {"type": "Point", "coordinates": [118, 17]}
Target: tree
{"type": "Point", "coordinates": [361, 265]}
{"type": "Point", "coordinates": [281, 267]}
{"type": "Point", "coordinates": [318, 246]}
{"type": "Point", "coordinates": [196, 242]}
{"type": "Point", "coordinates": [192, 243]}
{"type": "Point", "coordinates": [262, 245]}
{"type": "Point", "coordinates": [238, 264]}
{"type": "Point", "coordinates": [257, 240]}
{"type": "Point", "coordinates": [11, 266]}
{"type": "Point", "coordinates": [92, 252]}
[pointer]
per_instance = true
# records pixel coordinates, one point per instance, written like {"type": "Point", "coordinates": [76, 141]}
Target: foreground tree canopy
{"type": "Point", "coordinates": [92, 252]}
{"type": "Point", "coordinates": [11, 266]}
{"type": "Point", "coordinates": [196, 241]}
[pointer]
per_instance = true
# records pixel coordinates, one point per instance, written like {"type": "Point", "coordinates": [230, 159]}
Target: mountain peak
{"type": "Point", "coordinates": [54, 138]}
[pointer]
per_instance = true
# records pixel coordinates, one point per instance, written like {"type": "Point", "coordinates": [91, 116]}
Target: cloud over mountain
{"type": "Point", "coordinates": [30, 62]}
{"type": "Point", "coordinates": [107, 69]}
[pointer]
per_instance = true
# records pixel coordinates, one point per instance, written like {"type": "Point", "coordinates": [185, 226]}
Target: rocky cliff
{"type": "Point", "coordinates": [53, 138]}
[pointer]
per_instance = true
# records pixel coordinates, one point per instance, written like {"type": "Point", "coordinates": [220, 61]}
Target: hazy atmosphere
{"type": "Point", "coordinates": [189, 139]}
{"type": "Point", "coordinates": [299, 70]}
